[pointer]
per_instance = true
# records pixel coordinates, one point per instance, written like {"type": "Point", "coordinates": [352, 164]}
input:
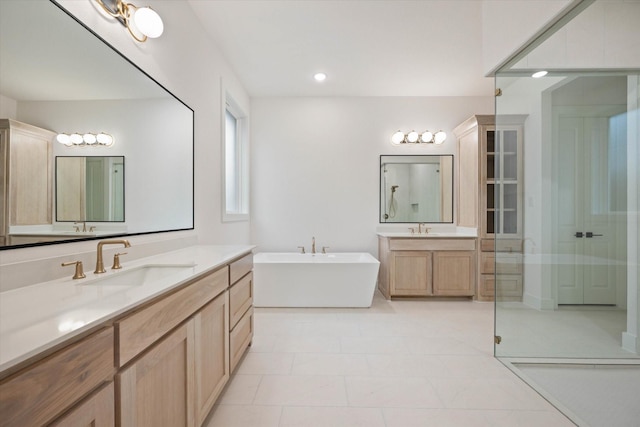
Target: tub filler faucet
{"type": "Point", "coordinates": [313, 245]}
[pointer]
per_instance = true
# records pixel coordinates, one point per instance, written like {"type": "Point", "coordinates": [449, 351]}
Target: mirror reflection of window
{"type": "Point", "coordinates": [90, 189]}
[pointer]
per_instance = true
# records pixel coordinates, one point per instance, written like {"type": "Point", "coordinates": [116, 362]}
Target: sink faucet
{"type": "Point", "coordinates": [99, 263]}
{"type": "Point", "coordinates": [426, 229]}
{"type": "Point", "coordinates": [313, 245]}
{"type": "Point", "coordinates": [77, 227]}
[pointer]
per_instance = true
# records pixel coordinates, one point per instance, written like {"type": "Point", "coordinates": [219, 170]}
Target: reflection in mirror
{"type": "Point", "coordinates": [102, 92]}
{"type": "Point", "coordinates": [416, 189]}
{"type": "Point", "coordinates": [90, 189]}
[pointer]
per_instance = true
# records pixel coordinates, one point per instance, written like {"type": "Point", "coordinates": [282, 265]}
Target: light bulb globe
{"type": "Point", "coordinates": [397, 138]}
{"type": "Point", "coordinates": [89, 138]}
{"type": "Point", "coordinates": [426, 137]}
{"type": "Point", "coordinates": [412, 137]}
{"type": "Point", "coordinates": [148, 22]}
{"type": "Point", "coordinates": [76, 139]}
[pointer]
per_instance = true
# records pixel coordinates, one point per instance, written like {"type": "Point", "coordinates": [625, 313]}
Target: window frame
{"type": "Point", "coordinates": [242, 177]}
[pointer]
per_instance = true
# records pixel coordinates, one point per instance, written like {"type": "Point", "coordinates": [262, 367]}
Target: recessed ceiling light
{"type": "Point", "coordinates": [320, 77]}
{"type": "Point", "coordinates": [539, 74]}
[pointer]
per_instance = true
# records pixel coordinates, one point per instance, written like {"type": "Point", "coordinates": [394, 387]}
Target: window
{"type": "Point", "coordinates": [236, 170]}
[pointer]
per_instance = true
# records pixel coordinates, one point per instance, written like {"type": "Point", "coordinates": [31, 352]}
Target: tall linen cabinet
{"type": "Point", "coordinates": [26, 176]}
{"type": "Point", "coordinates": [490, 198]}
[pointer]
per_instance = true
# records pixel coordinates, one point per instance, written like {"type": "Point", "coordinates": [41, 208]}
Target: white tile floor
{"type": "Point", "coordinates": [399, 363]}
{"type": "Point", "coordinates": [569, 332]}
{"type": "Point", "coordinates": [598, 395]}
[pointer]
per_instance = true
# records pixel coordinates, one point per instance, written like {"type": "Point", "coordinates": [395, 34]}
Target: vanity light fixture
{"type": "Point", "coordinates": [414, 137]}
{"type": "Point", "coordinates": [141, 22]}
{"type": "Point", "coordinates": [88, 139]}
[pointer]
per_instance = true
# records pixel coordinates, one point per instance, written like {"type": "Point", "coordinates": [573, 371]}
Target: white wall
{"type": "Point", "coordinates": [508, 24]}
{"type": "Point", "coordinates": [190, 65]}
{"type": "Point", "coordinates": [315, 163]}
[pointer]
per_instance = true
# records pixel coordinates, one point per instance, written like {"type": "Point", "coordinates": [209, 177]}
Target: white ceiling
{"type": "Point", "coordinates": [366, 47]}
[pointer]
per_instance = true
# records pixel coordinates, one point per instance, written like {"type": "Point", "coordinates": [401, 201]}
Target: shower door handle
{"type": "Point", "coordinates": [590, 235]}
{"type": "Point", "coordinates": [579, 234]}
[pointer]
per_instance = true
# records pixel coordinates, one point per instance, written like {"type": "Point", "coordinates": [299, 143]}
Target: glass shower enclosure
{"type": "Point", "coordinates": [573, 205]}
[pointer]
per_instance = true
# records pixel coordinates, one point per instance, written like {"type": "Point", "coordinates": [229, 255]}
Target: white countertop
{"type": "Point", "coordinates": [38, 317]}
{"type": "Point", "coordinates": [408, 234]}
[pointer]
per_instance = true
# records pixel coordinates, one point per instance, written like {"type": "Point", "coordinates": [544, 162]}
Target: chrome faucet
{"type": "Point", "coordinates": [313, 245]}
{"type": "Point", "coordinates": [99, 263]}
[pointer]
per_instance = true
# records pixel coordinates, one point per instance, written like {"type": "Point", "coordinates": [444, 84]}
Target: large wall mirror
{"type": "Point", "coordinates": [56, 74]}
{"type": "Point", "coordinates": [416, 189]}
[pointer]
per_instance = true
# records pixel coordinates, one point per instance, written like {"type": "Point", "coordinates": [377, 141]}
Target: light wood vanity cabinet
{"type": "Point", "coordinates": [425, 267]}
{"type": "Point", "coordinates": [26, 180]}
{"type": "Point", "coordinates": [163, 363]}
{"type": "Point", "coordinates": [43, 391]}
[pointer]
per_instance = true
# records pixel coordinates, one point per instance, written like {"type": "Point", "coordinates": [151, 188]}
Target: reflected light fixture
{"type": "Point", "coordinates": [87, 139]}
{"type": "Point", "coordinates": [539, 74]}
{"type": "Point", "coordinates": [414, 137]}
{"type": "Point", "coordinates": [320, 77]}
{"type": "Point", "coordinates": [141, 22]}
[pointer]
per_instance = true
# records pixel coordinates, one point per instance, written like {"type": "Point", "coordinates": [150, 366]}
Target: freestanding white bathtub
{"type": "Point", "coordinates": [314, 280]}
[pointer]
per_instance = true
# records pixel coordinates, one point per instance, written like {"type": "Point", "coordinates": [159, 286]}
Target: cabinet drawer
{"type": "Point", "coordinates": [508, 286]}
{"type": "Point", "coordinates": [45, 390]}
{"type": "Point", "coordinates": [240, 337]}
{"type": "Point", "coordinates": [240, 299]}
{"type": "Point", "coordinates": [240, 267]}
{"type": "Point", "coordinates": [506, 263]}
{"type": "Point", "coordinates": [141, 329]}
{"type": "Point", "coordinates": [96, 411]}
{"type": "Point", "coordinates": [432, 244]}
{"type": "Point", "coordinates": [501, 245]}
{"type": "Point", "coordinates": [487, 286]}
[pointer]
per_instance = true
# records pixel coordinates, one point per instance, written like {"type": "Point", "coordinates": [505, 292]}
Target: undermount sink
{"type": "Point", "coordinates": [138, 276]}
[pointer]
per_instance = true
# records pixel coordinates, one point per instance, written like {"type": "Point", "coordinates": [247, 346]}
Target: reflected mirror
{"type": "Point", "coordinates": [90, 189]}
{"type": "Point", "coordinates": [57, 75]}
{"type": "Point", "coordinates": [416, 189]}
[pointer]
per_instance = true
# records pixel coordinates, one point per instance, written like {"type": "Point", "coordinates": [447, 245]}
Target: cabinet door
{"type": "Point", "coordinates": [211, 353]}
{"type": "Point", "coordinates": [156, 390]}
{"type": "Point", "coordinates": [454, 273]}
{"type": "Point", "coordinates": [411, 273]}
{"type": "Point", "coordinates": [96, 411]}
{"type": "Point", "coordinates": [30, 177]}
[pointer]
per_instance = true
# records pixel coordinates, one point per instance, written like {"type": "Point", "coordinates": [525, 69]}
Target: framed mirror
{"type": "Point", "coordinates": [90, 189]}
{"type": "Point", "coordinates": [57, 75]}
{"type": "Point", "coordinates": [415, 189]}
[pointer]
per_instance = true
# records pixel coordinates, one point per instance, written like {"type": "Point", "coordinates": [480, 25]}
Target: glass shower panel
{"type": "Point", "coordinates": [561, 223]}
